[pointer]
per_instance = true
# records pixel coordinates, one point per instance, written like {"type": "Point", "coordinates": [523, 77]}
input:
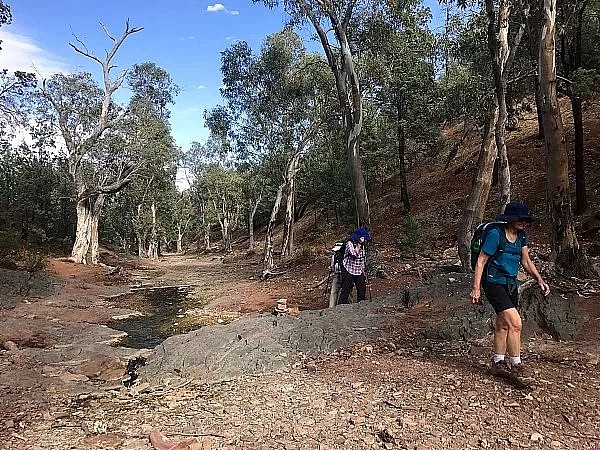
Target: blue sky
{"type": "Point", "coordinates": [185, 37]}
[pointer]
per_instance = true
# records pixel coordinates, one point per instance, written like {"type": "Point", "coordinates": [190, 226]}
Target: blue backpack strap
{"type": "Point", "coordinates": [502, 241]}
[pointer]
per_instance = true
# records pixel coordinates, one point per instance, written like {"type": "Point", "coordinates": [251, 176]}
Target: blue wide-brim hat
{"type": "Point", "coordinates": [361, 232]}
{"type": "Point", "coordinates": [515, 211]}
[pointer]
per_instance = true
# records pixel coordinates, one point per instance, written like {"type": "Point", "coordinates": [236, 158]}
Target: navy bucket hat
{"type": "Point", "coordinates": [515, 211]}
{"type": "Point", "coordinates": [361, 232]}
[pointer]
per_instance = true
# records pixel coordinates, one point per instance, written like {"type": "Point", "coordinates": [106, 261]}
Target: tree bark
{"type": "Point", "coordinates": [268, 261]}
{"type": "Point", "coordinates": [401, 117]}
{"type": "Point", "coordinates": [482, 182]}
{"type": "Point", "coordinates": [86, 247]}
{"type": "Point", "coordinates": [153, 245]}
{"type": "Point", "coordinates": [348, 92]}
{"type": "Point", "coordinates": [568, 257]}
{"type": "Point", "coordinates": [499, 50]}
{"type": "Point", "coordinates": [223, 218]}
{"type": "Point", "coordinates": [287, 247]}
{"type": "Point", "coordinates": [571, 61]}
{"type": "Point", "coordinates": [251, 214]}
{"type": "Point", "coordinates": [533, 48]}
{"type": "Point", "coordinates": [581, 203]}
{"type": "Point", "coordinates": [179, 239]}
{"type": "Point", "coordinates": [503, 57]}
{"type": "Point", "coordinates": [94, 242]}
{"type": "Point", "coordinates": [539, 108]}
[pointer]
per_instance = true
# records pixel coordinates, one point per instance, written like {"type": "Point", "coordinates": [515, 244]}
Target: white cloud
{"type": "Point", "coordinates": [220, 7]}
{"type": "Point", "coordinates": [201, 87]}
{"type": "Point", "coordinates": [20, 52]}
{"type": "Point", "coordinates": [216, 7]}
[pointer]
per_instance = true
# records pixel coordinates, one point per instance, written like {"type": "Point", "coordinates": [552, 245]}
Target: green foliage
{"type": "Point", "coordinates": [15, 90]}
{"type": "Point", "coordinates": [35, 197]}
{"type": "Point", "coordinates": [154, 85]}
{"type": "Point", "coordinates": [5, 14]}
{"type": "Point", "coordinates": [144, 137]}
{"type": "Point", "coordinates": [10, 244]}
{"type": "Point", "coordinates": [324, 183]}
{"type": "Point", "coordinates": [586, 83]}
{"type": "Point", "coordinates": [14, 254]}
{"type": "Point", "coordinates": [218, 194]}
{"type": "Point", "coordinates": [398, 76]}
{"type": "Point", "coordinates": [411, 236]}
{"type": "Point", "coordinates": [303, 256]}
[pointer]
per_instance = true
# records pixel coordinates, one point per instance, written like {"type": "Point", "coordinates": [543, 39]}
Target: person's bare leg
{"type": "Point", "coordinates": [501, 331]}
{"type": "Point", "coordinates": [513, 340]}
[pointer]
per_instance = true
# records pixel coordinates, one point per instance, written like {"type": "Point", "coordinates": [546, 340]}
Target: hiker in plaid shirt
{"type": "Point", "coordinates": [353, 267]}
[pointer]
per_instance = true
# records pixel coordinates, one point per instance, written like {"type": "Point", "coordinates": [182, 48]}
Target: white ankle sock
{"type": "Point", "coordinates": [497, 358]}
{"type": "Point", "coordinates": [514, 360]}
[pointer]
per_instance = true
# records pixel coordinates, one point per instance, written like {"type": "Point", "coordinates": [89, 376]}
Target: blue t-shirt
{"type": "Point", "coordinates": [503, 269]}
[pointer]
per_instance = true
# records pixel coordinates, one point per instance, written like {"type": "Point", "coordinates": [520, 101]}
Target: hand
{"type": "Point", "coordinates": [544, 287]}
{"type": "Point", "coordinates": [475, 296]}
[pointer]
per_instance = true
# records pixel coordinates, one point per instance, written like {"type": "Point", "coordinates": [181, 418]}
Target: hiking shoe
{"type": "Point", "coordinates": [500, 369]}
{"type": "Point", "coordinates": [521, 371]}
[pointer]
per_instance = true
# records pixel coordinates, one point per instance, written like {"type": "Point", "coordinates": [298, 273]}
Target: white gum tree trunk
{"type": "Point", "coordinates": [268, 261]}
{"type": "Point", "coordinates": [568, 257]}
{"type": "Point", "coordinates": [86, 247]}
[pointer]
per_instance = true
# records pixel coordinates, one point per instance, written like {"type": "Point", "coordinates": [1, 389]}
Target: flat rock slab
{"type": "Point", "coordinates": [259, 344]}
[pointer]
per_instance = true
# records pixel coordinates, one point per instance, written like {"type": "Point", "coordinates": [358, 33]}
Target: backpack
{"type": "Point", "coordinates": [481, 233]}
{"type": "Point", "coordinates": [337, 259]}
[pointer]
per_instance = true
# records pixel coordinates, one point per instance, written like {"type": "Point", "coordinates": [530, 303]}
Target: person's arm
{"type": "Point", "coordinates": [530, 268]}
{"type": "Point", "coordinates": [475, 295]}
{"type": "Point", "coordinates": [355, 251]}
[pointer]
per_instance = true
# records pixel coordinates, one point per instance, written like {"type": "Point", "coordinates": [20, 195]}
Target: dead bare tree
{"type": "Point", "coordinates": [90, 199]}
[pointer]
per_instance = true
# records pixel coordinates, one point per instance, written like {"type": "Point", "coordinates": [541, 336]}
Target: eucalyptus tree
{"type": "Point", "coordinates": [15, 90]}
{"type": "Point", "coordinates": [579, 67]}
{"type": "Point", "coordinates": [503, 55]}
{"type": "Point", "coordinates": [149, 133]}
{"type": "Point", "coordinates": [336, 15]}
{"type": "Point", "coordinates": [14, 87]}
{"type": "Point", "coordinates": [491, 70]}
{"type": "Point", "coordinates": [5, 14]}
{"type": "Point", "coordinates": [253, 190]}
{"type": "Point", "coordinates": [195, 161]}
{"type": "Point", "coordinates": [398, 68]}
{"type": "Point", "coordinates": [183, 217]}
{"type": "Point", "coordinates": [83, 112]}
{"type": "Point", "coordinates": [154, 84]}
{"type": "Point", "coordinates": [274, 110]}
{"type": "Point", "coordinates": [148, 136]}
{"type": "Point", "coordinates": [568, 257]}
{"type": "Point", "coordinates": [468, 95]}
{"type": "Point", "coordinates": [222, 189]}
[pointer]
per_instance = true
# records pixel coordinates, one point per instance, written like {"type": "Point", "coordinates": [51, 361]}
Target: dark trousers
{"type": "Point", "coordinates": [348, 280]}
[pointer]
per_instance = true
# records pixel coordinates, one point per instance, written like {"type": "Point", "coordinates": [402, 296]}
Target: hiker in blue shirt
{"type": "Point", "coordinates": [497, 272]}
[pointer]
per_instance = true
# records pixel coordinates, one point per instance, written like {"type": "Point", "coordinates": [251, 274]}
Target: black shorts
{"type": "Point", "coordinates": [500, 296]}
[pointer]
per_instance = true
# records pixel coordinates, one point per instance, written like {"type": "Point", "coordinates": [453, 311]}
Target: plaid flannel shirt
{"type": "Point", "coordinates": [354, 260]}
